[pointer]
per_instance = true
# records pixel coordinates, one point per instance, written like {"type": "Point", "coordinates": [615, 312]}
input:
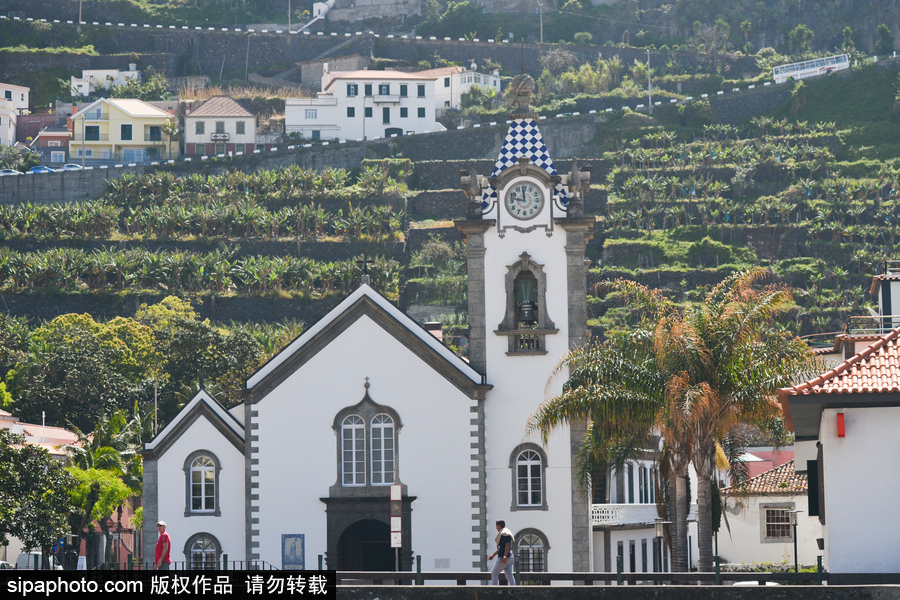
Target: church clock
{"type": "Point", "coordinates": [524, 200]}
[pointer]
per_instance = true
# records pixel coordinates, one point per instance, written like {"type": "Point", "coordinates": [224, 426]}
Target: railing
{"type": "Point", "coordinates": [95, 116]}
{"type": "Point", "coordinates": [623, 514]}
{"type": "Point", "coordinates": [228, 565]}
{"type": "Point", "coordinates": [100, 137]}
{"type": "Point", "coordinates": [152, 138]}
{"type": "Point", "coordinates": [356, 578]}
{"type": "Point", "coordinates": [872, 325]}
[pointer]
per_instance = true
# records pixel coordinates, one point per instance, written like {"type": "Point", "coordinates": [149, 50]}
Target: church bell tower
{"type": "Point", "coordinates": [525, 234]}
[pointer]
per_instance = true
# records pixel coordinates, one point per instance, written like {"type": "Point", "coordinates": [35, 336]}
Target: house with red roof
{"type": "Point", "coordinates": [758, 517]}
{"type": "Point", "coordinates": [845, 424]}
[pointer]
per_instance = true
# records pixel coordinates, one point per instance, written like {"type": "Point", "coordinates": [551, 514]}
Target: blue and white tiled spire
{"type": "Point", "coordinates": [523, 139]}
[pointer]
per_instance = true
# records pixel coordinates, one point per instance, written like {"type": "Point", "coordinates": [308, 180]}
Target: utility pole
{"type": "Point", "coordinates": [649, 86]}
{"type": "Point", "coordinates": [541, 13]}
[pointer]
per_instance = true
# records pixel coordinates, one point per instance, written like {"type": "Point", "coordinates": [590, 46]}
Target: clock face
{"type": "Point", "coordinates": [524, 200]}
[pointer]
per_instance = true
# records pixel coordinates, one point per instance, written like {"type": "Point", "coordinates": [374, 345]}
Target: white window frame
{"type": "Point", "coordinates": [57, 156]}
{"type": "Point", "coordinates": [310, 114]}
{"type": "Point", "coordinates": [203, 482]}
{"type": "Point", "coordinates": [382, 445]}
{"type": "Point", "coordinates": [353, 451]}
{"type": "Point", "coordinates": [531, 552]}
{"type": "Point", "coordinates": [529, 480]}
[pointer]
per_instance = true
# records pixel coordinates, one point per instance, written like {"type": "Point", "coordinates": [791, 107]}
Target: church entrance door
{"type": "Point", "coordinates": [366, 546]}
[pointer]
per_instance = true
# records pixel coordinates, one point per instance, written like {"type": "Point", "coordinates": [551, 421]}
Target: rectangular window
{"type": "Point", "coordinates": [105, 153]}
{"type": "Point", "coordinates": [351, 111]}
{"type": "Point", "coordinates": [240, 127]}
{"type": "Point", "coordinates": [352, 89]}
{"type": "Point", "coordinates": [88, 152]}
{"type": "Point", "coordinates": [126, 132]}
{"type": "Point", "coordinates": [316, 134]}
{"type": "Point", "coordinates": [421, 90]}
{"type": "Point", "coordinates": [58, 157]}
{"type": "Point", "coordinates": [385, 115]}
{"type": "Point", "coordinates": [446, 82]}
{"type": "Point", "coordinates": [384, 89]}
{"type": "Point", "coordinates": [368, 89]}
{"type": "Point", "coordinates": [242, 148]}
{"type": "Point", "coordinates": [220, 126]}
{"type": "Point", "coordinates": [311, 113]}
{"type": "Point", "coordinates": [421, 112]}
{"type": "Point", "coordinates": [53, 143]}
{"type": "Point", "coordinates": [778, 523]}
{"type": "Point", "coordinates": [369, 112]}
{"type": "Point", "coordinates": [200, 127]}
{"type": "Point", "coordinates": [92, 133]}
{"type": "Point", "coordinates": [403, 87]}
{"type": "Point", "coordinates": [8, 95]}
{"type": "Point", "coordinates": [404, 112]}
{"type": "Point", "coordinates": [644, 555]}
{"type": "Point", "coordinates": [154, 133]}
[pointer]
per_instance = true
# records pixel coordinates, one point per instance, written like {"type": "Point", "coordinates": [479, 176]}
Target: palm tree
{"type": "Point", "coordinates": [687, 374]}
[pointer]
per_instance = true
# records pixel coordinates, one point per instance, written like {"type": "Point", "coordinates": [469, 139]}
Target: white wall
{"type": "Point", "coordinates": [227, 528]}
{"type": "Point", "coordinates": [519, 387]}
{"type": "Point", "coordinates": [861, 491]}
{"type": "Point", "coordinates": [298, 459]}
{"type": "Point", "coordinates": [743, 540]}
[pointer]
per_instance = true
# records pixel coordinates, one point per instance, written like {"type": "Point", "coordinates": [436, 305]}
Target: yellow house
{"type": "Point", "coordinates": [119, 129]}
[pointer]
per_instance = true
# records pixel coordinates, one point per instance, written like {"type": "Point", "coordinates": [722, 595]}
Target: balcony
{"type": "Point", "coordinates": [218, 137]}
{"type": "Point", "coordinates": [153, 137]}
{"type": "Point", "coordinates": [386, 99]}
{"type": "Point", "coordinates": [612, 515]}
{"type": "Point", "coordinates": [97, 137]}
{"type": "Point", "coordinates": [96, 116]}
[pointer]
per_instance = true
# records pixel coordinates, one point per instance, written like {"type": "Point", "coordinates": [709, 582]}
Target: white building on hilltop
{"type": "Point", "coordinates": [96, 80]}
{"type": "Point", "coordinates": [13, 102]}
{"type": "Point", "coordinates": [376, 104]}
{"type": "Point", "coordinates": [367, 398]}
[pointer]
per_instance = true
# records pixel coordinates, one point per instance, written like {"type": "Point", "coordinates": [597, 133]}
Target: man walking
{"type": "Point", "coordinates": [504, 555]}
{"type": "Point", "coordinates": [163, 548]}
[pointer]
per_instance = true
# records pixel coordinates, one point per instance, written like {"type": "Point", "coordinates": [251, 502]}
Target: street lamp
{"type": "Point", "coordinates": [541, 14]}
{"type": "Point", "coordinates": [794, 514]}
{"type": "Point", "coordinates": [660, 526]}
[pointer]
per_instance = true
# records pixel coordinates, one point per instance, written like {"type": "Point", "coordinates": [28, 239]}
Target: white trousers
{"type": "Point", "coordinates": [507, 568]}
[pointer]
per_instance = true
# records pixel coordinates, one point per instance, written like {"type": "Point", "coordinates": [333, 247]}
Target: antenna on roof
{"type": "Point", "coordinates": [523, 55]}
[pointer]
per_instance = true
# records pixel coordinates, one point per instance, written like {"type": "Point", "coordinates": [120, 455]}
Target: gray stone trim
{"type": "Point", "coordinates": [578, 233]}
{"type": "Point", "coordinates": [184, 425]}
{"type": "Point", "coordinates": [251, 508]}
{"type": "Point", "coordinates": [544, 541]}
{"type": "Point", "coordinates": [365, 306]}
{"type": "Point", "coordinates": [479, 492]}
{"type": "Point", "coordinates": [473, 232]}
{"type": "Point", "coordinates": [194, 538]}
{"type": "Point", "coordinates": [151, 509]}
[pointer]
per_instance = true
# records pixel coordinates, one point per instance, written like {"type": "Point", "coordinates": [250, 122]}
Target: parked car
{"type": "Point", "coordinates": [42, 169]}
{"type": "Point", "coordinates": [71, 167]}
{"type": "Point", "coordinates": [5, 172]}
{"type": "Point", "coordinates": [32, 560]}
{"type": "Point", "coordinates": [5, 565]}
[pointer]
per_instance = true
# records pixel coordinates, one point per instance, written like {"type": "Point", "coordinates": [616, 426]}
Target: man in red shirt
{"type": "Point", "coordinates": [163, 548]}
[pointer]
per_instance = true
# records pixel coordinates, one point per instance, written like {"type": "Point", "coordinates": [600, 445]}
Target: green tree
{"type": "Point", "coordinates": [20, 160]}
{"type": "Point", "coordinates": [690, 375]}
{"type": "Point", "coordinates": [155, 87]}
{"type": "Point", "coordinates": [801, 37]}
{"type": "Point", "coordinates": [76, 369]}
{"type": "Point", "coordinates": [847, 33]}
{"type": "Point", "coordinates": [34, 500]}
{"type": "Point", "coordinates": [885, 42]}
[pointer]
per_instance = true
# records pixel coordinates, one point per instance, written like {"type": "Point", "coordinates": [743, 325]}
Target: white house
{"type": "Point", "coordinates": [366, 398]}
{"type": "Point", "coordinates": [758, 517]}
{"type": "Point", "coordinates": [13, 102]}
{"type": "Point", "coordinates": [843, 420]}
{"type": "Point", "coordinates": [365, 104]}
{"type": "Point", "coordinates": [96, 80]}
{"type": "Point", "coordinates": [218, 126]}
{"type": "Point", "coordinates": [452, 82]}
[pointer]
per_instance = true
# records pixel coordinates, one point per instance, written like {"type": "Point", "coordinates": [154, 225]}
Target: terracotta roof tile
{"type": "Point", "coordinates": [876, 279]}
{"type": "Point", "coordinates": [780, 480]}
{"type": "Point", "coordinates": [874, 370]}
{"type": "Point", "coordinates": [220, 106]}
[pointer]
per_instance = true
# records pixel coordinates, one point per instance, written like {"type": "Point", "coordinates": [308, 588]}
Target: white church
{"type": "Point", "coordinates": [367, 398]}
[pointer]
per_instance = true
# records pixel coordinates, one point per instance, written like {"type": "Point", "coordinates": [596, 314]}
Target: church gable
{"type": "Point", "coordinates": [365, 303]}
{"type": "Point", "coordinates": [202, 406]}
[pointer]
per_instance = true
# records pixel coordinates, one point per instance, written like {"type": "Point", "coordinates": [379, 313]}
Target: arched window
{"type": "Point", "coordinates": [202, 551]}
{"type": "Point", "coordinates": [531, 551]}
{"type": "Point", "coordinates": [353, 451]}
{"type": "Point", "coordinates": [201, 470]}
{"type": "Point", "coordinates": [529, 481]}
{"type": "Point", "coordinates": [203, 485]}
{"type": "Point", "coordinates": [382, 450]}
{"type": "Point", "coordinates": [528, 464]}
